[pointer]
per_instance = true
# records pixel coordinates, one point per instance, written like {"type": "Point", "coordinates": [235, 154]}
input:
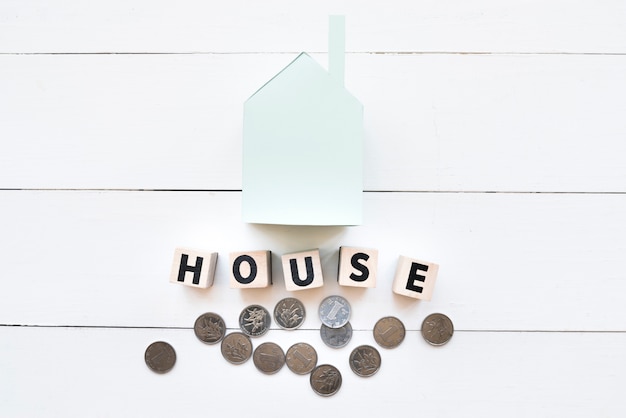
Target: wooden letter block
{"type": "Point", "coordinates": [357, 267]}
{"type": "Point", "coordinates": [415, 278]}
{"type": "Point", "coordinates": [250, 269]}
{"type": "Point", "coordinates": [302, 270]}
{"type": "Point", "coordinates": [195, 268]}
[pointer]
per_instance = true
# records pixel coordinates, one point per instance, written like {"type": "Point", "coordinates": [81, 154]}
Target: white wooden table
{"type": "Point", "coordinates": [496, 147]}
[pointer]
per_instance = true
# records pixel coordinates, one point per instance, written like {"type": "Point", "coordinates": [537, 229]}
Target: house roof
{"type": "Point", "coordinates": [303, 57]}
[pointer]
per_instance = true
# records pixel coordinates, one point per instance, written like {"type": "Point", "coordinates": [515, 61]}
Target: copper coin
{"type": "Point", "coordinates": [160, 357]}
{"type": "Point", "coordinates": [209, 328]}
{"type": "Point", "coordinates": [301, 358]}
{"type": "Point", "coordinates": [254, 320]}
{"type": "Point", "coordinates": [236, 347]}
{"type": "Point", "coordinates": [289, 313]}
{"type": "Point", "coordinates": [365, 360]}
{"type": "Point", "coordinates": [389, 332]}
{"type": "Point", "coordinates": [325, 380]}
{"type": "Point", "coordinates": [269, 358]}
{"type": "Point", "coordinates": [437, 329]}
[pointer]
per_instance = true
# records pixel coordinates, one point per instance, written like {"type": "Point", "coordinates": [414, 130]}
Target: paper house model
{"type": "Point", "coordinates": [303, 144]}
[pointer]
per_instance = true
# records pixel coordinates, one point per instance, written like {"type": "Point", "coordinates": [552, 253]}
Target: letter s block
{"type": "Point", "coordinates": [250, 269]}
{"type": "Point", "coordinates": [302, 270]}
{"type": "Point", "coordinates": [195, 268]}
{"type": "Point", "coordinates": [357, 267]}
{"type": "Point", "coordinates": [415, 278]}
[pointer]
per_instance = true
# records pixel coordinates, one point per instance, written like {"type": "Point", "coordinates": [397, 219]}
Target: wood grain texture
{"type": "Point", "coordinates": [494, 148]}
{"type": "Point", "coordinates": [507, 261]}
{"type": "Point", "coordinates": [280, 25]}
{"type": "Point", "coordinates": [487, 374]}
{"type": "Point", "coordinates": [442, 123]}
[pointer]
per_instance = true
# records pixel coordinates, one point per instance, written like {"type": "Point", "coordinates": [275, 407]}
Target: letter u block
{"type": "Point", "coordinates": [357, 267]}
{"type": "Point", "coordinates": [302, 270]}
{"type": "Point", "coordinates": [250, 269]}
{"type": "Point", "coordinates": [415, 278]}
{"type": "Point", "coordinates": [195, 268]}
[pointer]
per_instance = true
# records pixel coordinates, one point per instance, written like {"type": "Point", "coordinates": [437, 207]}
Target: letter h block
{"type": "Point", "coordinates": [357, 267]}
{"type": "Point", "coordinates": [250, 269]}
{"type": "Point", "coordinates": [415, 278]}
{"type": "Point", "coordinates": [193, 268]}
{"type": "Point", "coordinates": [302, 270]}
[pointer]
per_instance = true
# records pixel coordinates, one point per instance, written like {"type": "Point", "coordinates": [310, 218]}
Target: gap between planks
{"type": "Point", "coordinates": [490, 331]}
{"type": "Point", "coordinates": [511, 53]}
{"type": "Point", "coordinates": [549, 192]}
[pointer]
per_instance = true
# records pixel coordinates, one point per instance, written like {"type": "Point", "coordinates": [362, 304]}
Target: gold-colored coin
{"type": "Point", "coordinates": [160, 357]}
{"type": "Point", "coordinates": [209, 328]}
{"type": "Point", "coordinates": [301, 358]}
{"type": "Point", "coordinates": [437, 329]}
{"type": "Point", "coordinates": [365, 360]}
{"type": "Point", "coordinates": [325, 380]}
{"type": "Point", "coordinates": [269, 358]}
{"type": "Point", "coordinates": [389, 332]}
{"type": "Point", "coordinates": [236, 347]}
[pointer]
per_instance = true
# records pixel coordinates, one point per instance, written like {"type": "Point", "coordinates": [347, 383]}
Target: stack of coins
{"type": "Point", "coordinates": [301, 358]}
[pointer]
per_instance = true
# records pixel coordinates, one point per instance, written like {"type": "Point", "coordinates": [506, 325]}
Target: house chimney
{"type": "Point", "coordinates": [337, 48]}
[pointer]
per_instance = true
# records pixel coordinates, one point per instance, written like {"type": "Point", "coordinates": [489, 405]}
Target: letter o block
{"type": "Point", "coordinates": [302, 270]}
{"type": "Point", "coordinates": [415, 278]}
{"type": "Point", "coordinates": [357, 267]}
{"type": "Point", "coordinates": [250, 269]}
{"type": "Point", "coordinates": [195, 268]}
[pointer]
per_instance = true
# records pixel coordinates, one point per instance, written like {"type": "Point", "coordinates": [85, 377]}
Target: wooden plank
{"type": "Point", "coordinates": [520, 374]}
{"type": "Point", "coordinates": [506, 261]}
{"type": "Point", "coordinates": [280, 25]}
{"type": "Point", "coordinates": [443, 122]}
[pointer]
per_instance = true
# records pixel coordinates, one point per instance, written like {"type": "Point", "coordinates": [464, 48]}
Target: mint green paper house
{"type": "Point", "coordinates": [303, 144]}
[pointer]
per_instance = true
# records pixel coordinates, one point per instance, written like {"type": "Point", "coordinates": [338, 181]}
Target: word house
{"type": "Point", "coordinates": [302, 270]}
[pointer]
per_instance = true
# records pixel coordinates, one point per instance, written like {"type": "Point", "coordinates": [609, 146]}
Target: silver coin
{"type": "Point", "coordinates": [254, 320]}
{"type": "Point", "coordinates": [236, 347]}
{"type": "Point", "coordinates": [289, 313]}
{"type": "Point", "coordinates": [301, 358]}
{"type": "Point", "coordinates": [334, 311]}
{"type": "Point", "coordinates": [209, 328]}
{"type": "Point", "coordinates": [325, 380]}
{"type": "Point", "coordinates": [160, 357]}
{"type": "Point", "coordinates": [365, 360]}
{"type": "Point", "coordinates": [269, 358]}
{"type": "Point", "coordinates": [336, 337]}
{"type": "Point", "coordinates": [389, 332]}
{"type": "Point", "coordinates": [437, 329]}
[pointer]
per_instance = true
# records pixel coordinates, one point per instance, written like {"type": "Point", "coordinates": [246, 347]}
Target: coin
{"type": "Point", "coordinates": [437, 329]}
{"type": "Point", "coordinates": [209, 328]}
{"type": "Point", "coordinates": [254, 320]}
{"type": "Point", "coordinates": [325, 380]}
{"type": "Point", "coordinates": [289, 313]}
{"type": "Point", "coordinates": [301, 358]}
{"type": "Point", "coordinates": [269, 358]}
{"type": "Point", "coordinates": [389, 332]}
{"type": "Point", "coordinates": [160, 357]}
{"type": "Point", "coordinates": [336, 337]}
{"type": "Point", "coordinates": [236, 347]}
{"type": "Point", "coordinates": [365, 360]}
{"type": "Point", "coordinates": [334, 311]}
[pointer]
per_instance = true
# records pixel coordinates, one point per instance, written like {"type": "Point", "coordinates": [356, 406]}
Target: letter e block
{"type": "Point", "coordinates": [250, 269]}
{"type": "Point", "coordinates": [302, 270]}
{"type": "Point", "coordinates": [415, 278]}
{"type": "Point", "coordinates": [195, 268]}
{"type": "Point", "coordinates": [357, 267]}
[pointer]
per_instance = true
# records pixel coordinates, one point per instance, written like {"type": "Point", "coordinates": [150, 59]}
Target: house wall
{"type": "Point", "coordinates": [494, 147]}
